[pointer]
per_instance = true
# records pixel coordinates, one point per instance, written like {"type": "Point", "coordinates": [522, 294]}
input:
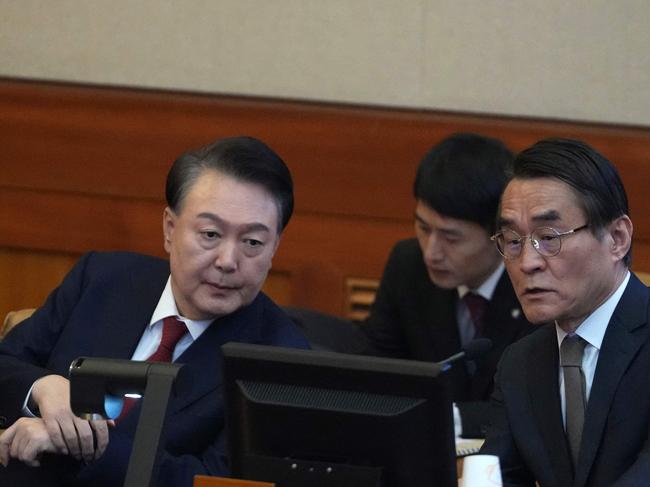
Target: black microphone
{"type": "Point", "coordinates": [473, 349]}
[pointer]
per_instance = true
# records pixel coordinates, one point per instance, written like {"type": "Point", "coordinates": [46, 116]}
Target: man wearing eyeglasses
{"type": "Point", "coordinates": [572, 401]}
{"type": "Point", "coordinates": [448, 286]}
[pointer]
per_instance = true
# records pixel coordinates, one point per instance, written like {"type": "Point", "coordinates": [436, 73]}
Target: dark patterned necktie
{"type": "Point", "coordinates": [476, 305]}
{"type": "Point", "coordinates": [571, 352]}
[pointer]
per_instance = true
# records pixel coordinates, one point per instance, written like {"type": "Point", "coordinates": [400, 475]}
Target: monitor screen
{"type": "Point", "coordinates": [324, 419]}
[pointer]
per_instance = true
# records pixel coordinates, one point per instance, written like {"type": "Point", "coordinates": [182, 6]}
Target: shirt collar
{"type": "Point", "coordinates": [167, 307]}
{"type": "Point", "coordinates": [593, 328]}
{"type": "Point", "coordinates": [487, 288]}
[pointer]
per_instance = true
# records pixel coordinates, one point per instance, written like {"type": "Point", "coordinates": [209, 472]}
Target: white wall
{"type": "Point", "coordinates": [571, 59]}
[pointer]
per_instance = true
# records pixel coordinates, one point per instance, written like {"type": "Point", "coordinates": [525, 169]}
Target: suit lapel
{"type": "Point", "coordinates": [443, 328]}
{"type": "Point", "coordinates": [202, 361]}
{"type": "Point", "coordinates": [130, 312]}
{"type": "Point", "coordinates": [201, 371]}
{"type": "Point", "coordinates": [544, 395]}
{"type": "Point", "coordinates": [625, 334]}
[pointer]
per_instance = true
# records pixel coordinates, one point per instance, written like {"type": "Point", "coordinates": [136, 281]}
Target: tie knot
{"type": "Point", "coordinates": [571, 351]}
{"type": "Point", "coordinates": [172, 332]}
{"type": "Point", "coordinates": [476, 305]}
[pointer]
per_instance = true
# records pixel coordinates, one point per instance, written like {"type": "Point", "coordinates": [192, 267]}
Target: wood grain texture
{"type": "Point", "coordinates": [205, 481]}
{"type": "Point", "coordinates": [83, 168]}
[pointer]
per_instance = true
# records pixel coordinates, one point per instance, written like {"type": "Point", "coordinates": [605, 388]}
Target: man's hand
{"type": "Point", "coordinates": [68, 433]}
{"type": "Point", "coordinates": [25, 440]}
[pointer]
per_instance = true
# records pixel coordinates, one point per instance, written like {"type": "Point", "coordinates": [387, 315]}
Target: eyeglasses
{"type": "Point", "coordinates": [546, 241]}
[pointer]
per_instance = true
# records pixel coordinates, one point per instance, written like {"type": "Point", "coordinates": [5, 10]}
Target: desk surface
{"type": "Point", "coordinates": [205, 481]}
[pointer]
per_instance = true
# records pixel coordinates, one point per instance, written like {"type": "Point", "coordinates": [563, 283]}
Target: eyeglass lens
{"type": "Point", "coordinates": [545, 240]}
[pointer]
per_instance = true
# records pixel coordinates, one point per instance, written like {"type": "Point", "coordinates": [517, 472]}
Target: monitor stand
{"type": "Point", "coordinates": [148, 442]}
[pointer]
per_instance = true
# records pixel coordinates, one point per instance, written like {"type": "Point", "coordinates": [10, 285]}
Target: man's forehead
{"type": "Point", "coordinates": [226, 200]}
{"type": "Point", "coordinates": [538, 199]}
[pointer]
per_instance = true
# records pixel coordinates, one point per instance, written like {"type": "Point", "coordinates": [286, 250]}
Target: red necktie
{"type": "Point", "coordinates": [173, 330]}
{"type": "Point", "coordinates": [476, 305]}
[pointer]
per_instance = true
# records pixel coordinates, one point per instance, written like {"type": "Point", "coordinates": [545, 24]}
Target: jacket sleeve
{"type": "Point", "coordinates": [174, 470]}
{"type": "Point", "coordinates": [500, 441]}
{"type": "Point", "coordinates": [382, 328]}
{"type": "Point", "coordinates": [475, 417]}
{"type": "Point", "coordinates": [25, 351]}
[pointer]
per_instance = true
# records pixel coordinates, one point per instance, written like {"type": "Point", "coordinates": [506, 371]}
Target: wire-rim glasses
{"type": "Point", "coordinates": [546, 241]}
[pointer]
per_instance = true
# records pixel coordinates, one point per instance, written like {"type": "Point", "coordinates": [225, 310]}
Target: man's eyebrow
{"type": "Point", "coordinates": [211, 216]}
{"type": "Point", "coordinates": [450, 232]}
{"type": "Point", "coordinates": [248, 227]}
{"type": "Point", "coordinates": [503, 222]}
{"type": "Point", "coordinates": [446, 231]}
{"type": "Point", "coordinates": [255, 227]}
{"type": "Point", "coordinates": [547, 216]}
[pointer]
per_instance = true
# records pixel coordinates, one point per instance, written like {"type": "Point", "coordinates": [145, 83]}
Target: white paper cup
{"type": "Point", "coordinates": [481, 471]}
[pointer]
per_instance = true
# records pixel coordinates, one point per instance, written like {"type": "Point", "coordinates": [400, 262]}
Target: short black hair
{"type": "Point", "coordinates": [463, 177]}
{"type": "Point", "coordinates": [244, 158]}
{"type": "Point", "coordinates": [592, 176]}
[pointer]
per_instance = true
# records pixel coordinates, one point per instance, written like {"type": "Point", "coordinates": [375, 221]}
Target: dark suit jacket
{"type": "Point", "coordinates": [101, 309]}
{"type": "Point", "coordinates": [527, 431]}
{"type": "Point", "coordinates": [412, 318]}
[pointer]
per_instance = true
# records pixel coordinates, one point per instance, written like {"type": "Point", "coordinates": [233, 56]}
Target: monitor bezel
{"type": "Point", "coordinates": [337, 371]}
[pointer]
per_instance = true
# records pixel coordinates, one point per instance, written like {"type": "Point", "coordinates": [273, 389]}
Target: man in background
{"type": "Point", "coordinates": [571, 401]}
{"type": "Point", "coordinates": [228, 204]}
{"type": "Point", "coordinates": [447, 287]}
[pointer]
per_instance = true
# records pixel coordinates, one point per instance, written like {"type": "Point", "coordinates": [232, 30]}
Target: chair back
{"type": "Point", "coordinates": [13, 318]}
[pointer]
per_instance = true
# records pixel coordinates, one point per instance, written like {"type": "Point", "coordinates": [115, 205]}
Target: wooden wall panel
{"type": "Point", "coordinates": [83, 168]}
{"type": "Point", "coordinates": [28, 276]}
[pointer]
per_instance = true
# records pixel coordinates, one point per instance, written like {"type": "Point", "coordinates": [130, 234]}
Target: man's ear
{"type": "Point", "coordinates": [169, 221]}
{"type": "Point", "coordinates": [620, 232]}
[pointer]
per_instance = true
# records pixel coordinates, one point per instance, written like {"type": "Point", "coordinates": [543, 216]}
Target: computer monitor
{"type": "Point", "coordinates": [324, 419]}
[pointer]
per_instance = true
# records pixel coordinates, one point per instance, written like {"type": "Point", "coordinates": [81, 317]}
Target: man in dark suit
{"type": "Point", "coordinates": [571, 401]}
{"type": "Point", "coordinates": [423, 306]}
{"type": "Point", "coordinates": [227, 206]}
